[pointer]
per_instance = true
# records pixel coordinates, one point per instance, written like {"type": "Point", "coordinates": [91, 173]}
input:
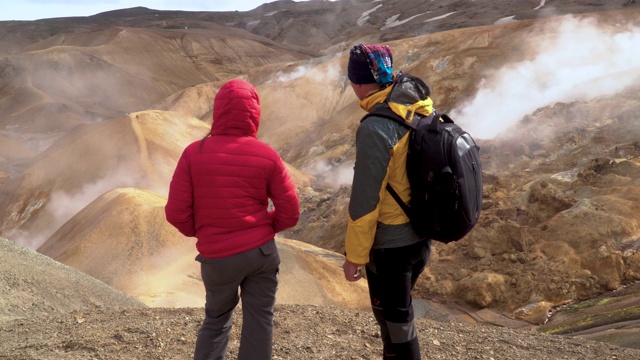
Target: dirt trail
{"type": "Point", "coordinates": [143, 149]}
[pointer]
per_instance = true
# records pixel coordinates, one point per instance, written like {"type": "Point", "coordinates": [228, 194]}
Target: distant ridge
{"type": "Point", "coordinates": [132, 11]}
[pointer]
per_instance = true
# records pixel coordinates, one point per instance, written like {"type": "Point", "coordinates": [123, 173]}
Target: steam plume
{"type": "Point", "coordinates": [582, 61]}
{"type": "Point", "coordinates": [329, 174]}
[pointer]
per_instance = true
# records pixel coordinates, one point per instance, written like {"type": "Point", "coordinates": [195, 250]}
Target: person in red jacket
{"type": "Point", "coordinates": [220, 194]}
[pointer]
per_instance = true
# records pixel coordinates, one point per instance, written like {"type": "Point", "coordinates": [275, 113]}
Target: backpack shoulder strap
{"type": "Point", "coordinates": [436, 120]}
{"type": "Point", "coordinates": [398, 199]}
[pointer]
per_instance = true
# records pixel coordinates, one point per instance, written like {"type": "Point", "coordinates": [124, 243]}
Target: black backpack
{"type": "Point", "coordinates": [445, 176]}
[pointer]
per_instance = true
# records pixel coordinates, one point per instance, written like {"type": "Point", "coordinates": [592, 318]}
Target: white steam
{"type": "Point", "coordinates": [65, 205]}
{"type": "Point", "coordinates": [333, 175]}
{"type": "Point", "coordinates": [581, 61]}
{"type": "Point", "coordinates": [316, 73]}
{"type": "Point", "coordinates": [62, 206]}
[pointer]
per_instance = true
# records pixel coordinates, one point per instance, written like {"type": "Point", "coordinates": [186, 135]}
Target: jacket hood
{"type": "Point", "coordinates": [236, 110]}
{"type": "Point", "coordinates": [408, 96]}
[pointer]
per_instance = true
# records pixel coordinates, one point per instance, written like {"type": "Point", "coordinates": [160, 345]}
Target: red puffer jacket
{"type": "Point", "coordinates": [221, 187]}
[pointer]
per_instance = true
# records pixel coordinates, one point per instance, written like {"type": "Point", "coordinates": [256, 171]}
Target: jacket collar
{"type": "Point", "coordinates": [376, 98]}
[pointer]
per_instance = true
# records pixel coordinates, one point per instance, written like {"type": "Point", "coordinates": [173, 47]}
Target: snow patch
{"type": "Point", "coordinates": [541, 5]}
{"type": "Point", "coordinates": [393, 21]}
{"type": "Point", "coordinates": [272, 13]}
{"type": "Point", "coordinates": [506, 20]}
{"type": "Point", "coordinates": [440, 17]}
{"type": "Point", "coordinates": [365, 16]}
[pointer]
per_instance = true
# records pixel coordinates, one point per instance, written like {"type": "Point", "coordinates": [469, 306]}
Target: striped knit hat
{"type": "Point", "coordinates": [370, 64]}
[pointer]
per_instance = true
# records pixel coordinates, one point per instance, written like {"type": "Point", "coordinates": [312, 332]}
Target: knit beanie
{"type": "Point", "coordinates": [370, 64]}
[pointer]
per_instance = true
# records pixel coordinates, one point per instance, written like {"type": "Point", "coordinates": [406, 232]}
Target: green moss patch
{"type": "Point", "coordinates": [581, 306]}
{"type": "Point", "coordinates": [589, 321]}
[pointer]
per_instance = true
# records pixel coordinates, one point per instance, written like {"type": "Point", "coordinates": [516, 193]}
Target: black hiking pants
{"type": "Point", "coordinates": [391, 274]}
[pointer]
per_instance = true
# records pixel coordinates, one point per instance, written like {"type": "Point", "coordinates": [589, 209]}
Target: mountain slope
{"type": "Point", "coordinates": [74, 78]}
{"type": "Point", "coordinates": [119, 235]}
{"type": "Point", "coordinates": [34, 285]}
{"type": "Point", "coordinates": [139, 150]}
{"type": "Point", "coordinates": [123, 239]}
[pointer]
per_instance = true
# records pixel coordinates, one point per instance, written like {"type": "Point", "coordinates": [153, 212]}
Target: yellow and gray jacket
{"type": "Point", "coordinates": [375, 219]}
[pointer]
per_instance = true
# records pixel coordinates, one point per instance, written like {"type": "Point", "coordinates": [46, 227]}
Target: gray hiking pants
{"type": "Point", "coordinates": [254, 272]}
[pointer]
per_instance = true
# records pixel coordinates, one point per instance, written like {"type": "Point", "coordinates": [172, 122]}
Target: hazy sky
{"type": "Point", "coordinates": [40, 9]}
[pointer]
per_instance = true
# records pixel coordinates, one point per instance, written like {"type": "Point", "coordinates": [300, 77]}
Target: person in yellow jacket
{"type": "Point", "coordinates": [379, 236]}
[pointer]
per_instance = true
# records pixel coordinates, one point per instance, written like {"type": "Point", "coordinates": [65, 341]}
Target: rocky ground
{"type": "Point", "coordinates": [51, 311]}
{"type": "Point", "coordinates": [301, 332]}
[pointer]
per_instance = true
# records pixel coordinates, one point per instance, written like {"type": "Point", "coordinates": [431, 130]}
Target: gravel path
{"type": "Point", "coordinates": [301, 332]}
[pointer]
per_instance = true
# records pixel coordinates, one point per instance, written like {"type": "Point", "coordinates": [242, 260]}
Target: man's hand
{"type": "Point", "coordinates": [352, 272]}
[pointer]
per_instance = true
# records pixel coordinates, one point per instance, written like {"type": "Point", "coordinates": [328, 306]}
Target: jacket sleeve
{"type": "Point", "coordinates": [373, 153]}
{"type": "Point", "coordinates": [282, 193]}
{"type": "Point", "coordinates": [179, 208]}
